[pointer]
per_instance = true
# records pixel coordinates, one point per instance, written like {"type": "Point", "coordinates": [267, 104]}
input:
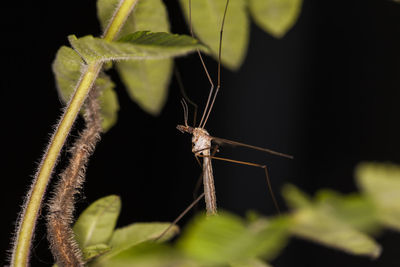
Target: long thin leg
{"type": "Point", "coordinates": [234, 143]}
{"type": "Point", "coordinates": [180, 216]}
{"type": "Point", "coordinates": [209, 105]}
{"type": "Point", "coordinates": [203, 64]}
{"type": "Point", "coordinates": [254, 165]}
{"type": "Point", "coordinates": [198, 161]}
{"type": "Point", "coordinates": [196, 200]}
{"type": "Point", "coordinates": [219, 66]}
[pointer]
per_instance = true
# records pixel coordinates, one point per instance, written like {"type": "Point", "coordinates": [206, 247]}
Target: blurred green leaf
{"type": "Point", "coordinates": [275, 16]}
{"type": "Point", "coordinates": [317, 223]}
{"type": "Point", "coordinates": [150, 15]}
{"type": "Point", "coordinates": [67, 68]}
{"type": "Point", "coordinates": [295, 198]}
{"type": "Point", "coordinates": [224, 238]}
{"type": "Point", "coordinates": [381, 182]}
{"type": "Point", "coordinates": [319, 227]}
{"type": "Point", "coordinates": [148, 254]}
{"type": "Point", "coordinates": [252, 216]}
{"type": "Point", "coordinates": [92, 252]}
{"type": "Point", "coordinates": [105, 10]}
{"type": "Point", "coordinates": [97, 222]}
{"type": "Point", "coordinates": [136, 46]}
{"type": "Point", "coordinates": [354, 209]}
{"type": "Point", "coordinates": [250, 263]}
{"type": "Point", "coordinates": [269, 237]}
{"type": "Point", "coordinates": [206, 21]}
{"type": "Point", "coordinates": [146, 80]}
{"type": "Point", "coordinates": [108, 101]}
{"type": "Point", "coordinates": [124, 239]}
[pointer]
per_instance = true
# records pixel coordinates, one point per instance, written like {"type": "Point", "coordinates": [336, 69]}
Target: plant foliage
{"type": "Point", "coordinates": [144, 48]}
{"type": "Point", "coordinates": [343, 222]}
{"type": "Point", "coordinates": [147, 80]}
{"type": "Point", "coordinates": [143, 54]}
{"type": "Point", "coordinates": [275, 17]}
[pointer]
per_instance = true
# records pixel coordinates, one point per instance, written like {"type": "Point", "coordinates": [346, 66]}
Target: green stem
{"type": "Point", "coordinates": [32, 205]}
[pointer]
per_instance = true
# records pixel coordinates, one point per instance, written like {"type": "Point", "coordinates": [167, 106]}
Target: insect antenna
{"type": "Point", "coordinates": [185, 111]}
{"type": "Point", "coordinates": [183, 93]}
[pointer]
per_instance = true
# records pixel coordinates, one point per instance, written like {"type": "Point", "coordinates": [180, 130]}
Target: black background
{"type": "Point", "coordinates": [328, 93]}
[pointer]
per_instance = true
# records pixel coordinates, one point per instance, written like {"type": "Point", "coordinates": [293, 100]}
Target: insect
{"type": "Point", "coordinates": [202, 141]}
{"type": "Point", "coordinates": [201, 147]}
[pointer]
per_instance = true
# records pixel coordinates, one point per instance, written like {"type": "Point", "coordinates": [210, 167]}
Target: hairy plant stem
{"type": "Point", "coordinates": [33, 201]}
{"type": "Point", "coordinates": [64, 248]}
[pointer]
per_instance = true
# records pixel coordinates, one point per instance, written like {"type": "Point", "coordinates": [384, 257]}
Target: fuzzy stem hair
{"type": "Point", "coordinates": [64, 248]}
{"type": "Point", "coordinates": [26, 222]}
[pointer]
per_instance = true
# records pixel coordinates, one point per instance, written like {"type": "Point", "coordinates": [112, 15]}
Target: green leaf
{"type": "Point", "coordinates": [381, 182]}
{"type": "Point", "coordinates": [136, 46]}
{"type": "Point", "coordinates": [316, 223]}
{"type": "Point", "coordinates": [92, 252]}
{"type": "Point", "coordinates": [67, 68]}
{"type": "Point", "coordinates": [250, 263]}
{"type": "Point", "coordinates": [147, 80]}
{"type": "Point", "coordinates": [225, 238]}
{"type": "Point", "coordinates": [206, 21]}
{"type": "Point", "coordinates": [319, 227]}
{"type": "Point", "coordinates": [126, 238]}
{"type": "Point", "coordinates": [105, 10]}
{"type": "Point", "coordinates": [147, 254]}
{"type": "Point", "coordinates": [97, 222]}
{"type": "Point", "coordinates": [108, 101]}
{"type": "Point", "coordinates": [148, 15]}
{"type": "Point", "coordinates": [275, 16]}
{"type": "Point", "coordinates": [354, 209]}
{"type": "Point", "coordinates": [269, 237]}
{"type": "Point", "coordinates": [295, 198]}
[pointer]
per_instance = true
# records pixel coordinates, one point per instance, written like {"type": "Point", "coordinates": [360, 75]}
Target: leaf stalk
{"type": "Point", "coordinates": [33, 201]}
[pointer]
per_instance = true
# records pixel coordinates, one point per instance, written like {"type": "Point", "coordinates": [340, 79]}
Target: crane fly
{"type": "Point", "coordinates": [202, 141]}
{"type": "Point", "coordinates": [201, 147]}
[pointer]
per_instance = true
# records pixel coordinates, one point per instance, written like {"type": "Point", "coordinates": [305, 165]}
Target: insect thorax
{"type": "Point", "coordinates": [201, 141]}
